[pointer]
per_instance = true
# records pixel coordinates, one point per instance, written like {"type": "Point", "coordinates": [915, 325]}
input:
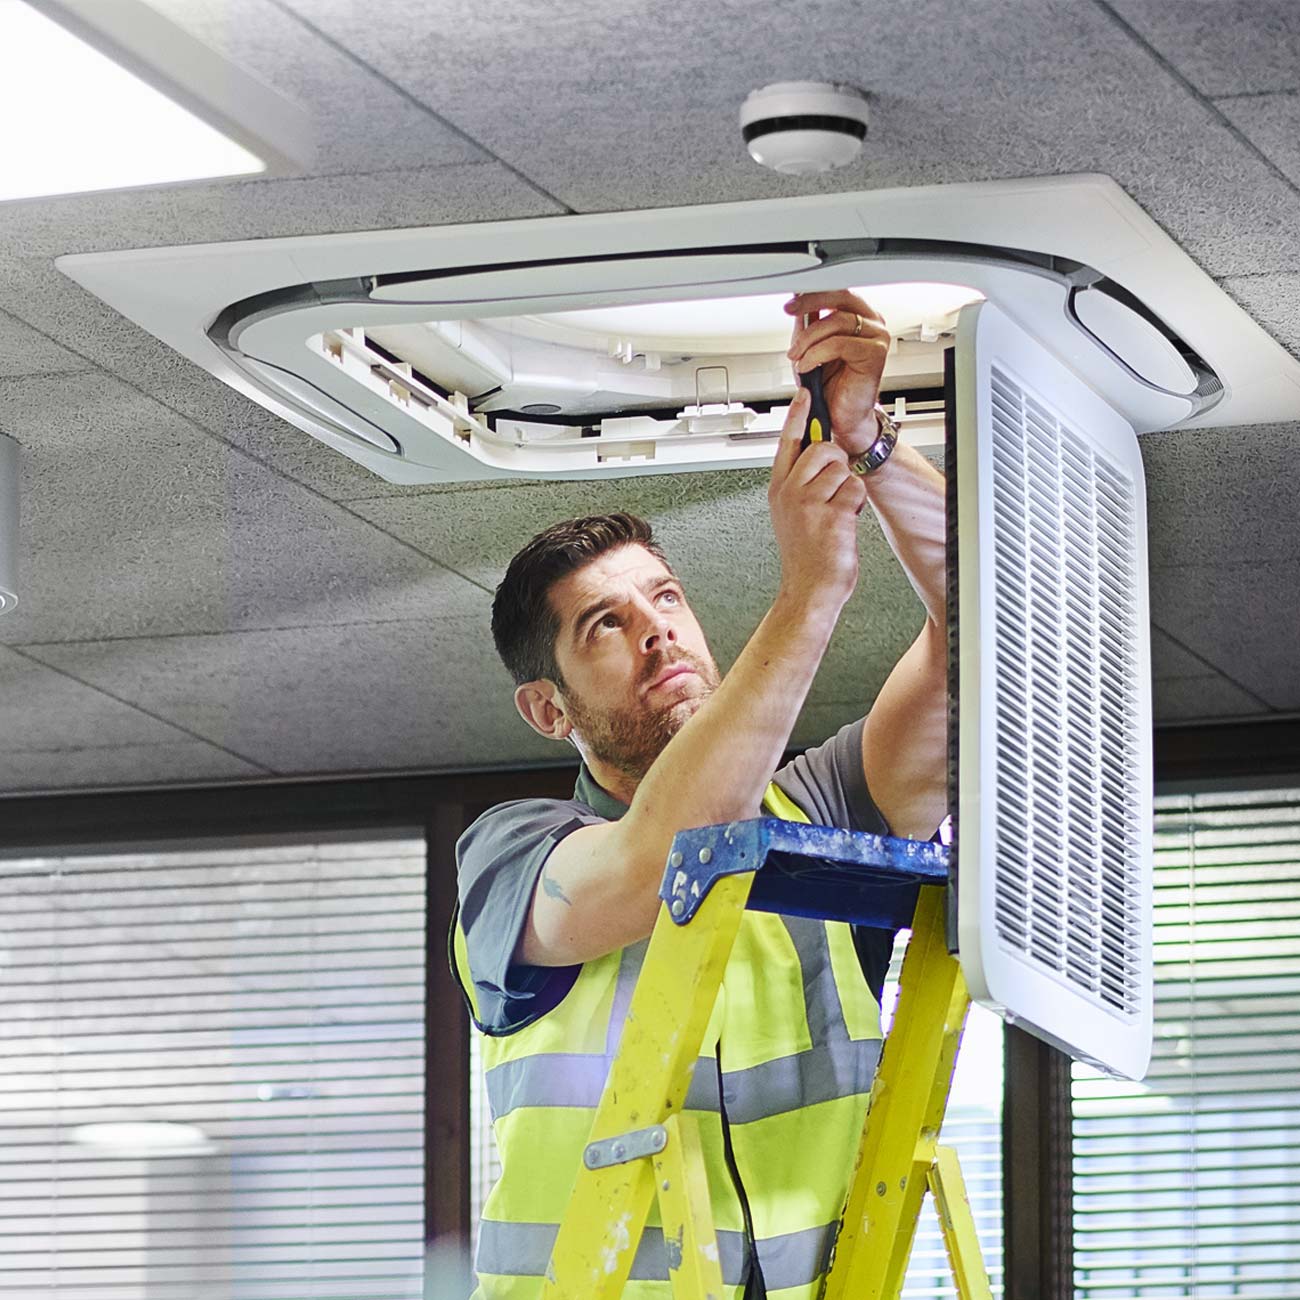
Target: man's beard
{"type": "Point", "coordinates": [629, 740]}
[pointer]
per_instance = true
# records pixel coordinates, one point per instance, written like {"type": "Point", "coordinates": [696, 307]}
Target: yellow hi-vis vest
{"type": "Point", "coordinates": [783, 1079]}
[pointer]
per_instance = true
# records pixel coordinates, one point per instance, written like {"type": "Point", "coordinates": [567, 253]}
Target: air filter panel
{"type": "Point", "coordinates": [1054, 854]}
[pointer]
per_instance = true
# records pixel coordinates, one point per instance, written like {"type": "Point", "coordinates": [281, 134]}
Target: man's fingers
{"type": "Point", "coordinates": [821, 468]}
{"type": "Point", "coordinates": [787, 450]}
{"type": "Point", "coordinates": [839, 324]}
{"type": "Point", "coordinates": [851, 492]}
{"type": "Point", "coordinates": [832, 300]}
{"type": "Point", "coordinates": [839, 347]}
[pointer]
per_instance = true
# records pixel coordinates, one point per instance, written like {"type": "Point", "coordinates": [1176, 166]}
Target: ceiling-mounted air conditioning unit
{"type": "Point", "coordinates": [1039, 326]}
{"type": "Point", "coordinates": [648, 342]}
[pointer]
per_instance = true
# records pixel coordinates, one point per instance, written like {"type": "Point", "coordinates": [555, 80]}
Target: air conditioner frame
{"type": "Point", "coordinates": [246, 311]}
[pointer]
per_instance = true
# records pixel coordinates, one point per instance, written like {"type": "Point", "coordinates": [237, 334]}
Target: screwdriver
{"type": "Point", "coordinates": [818, 428]}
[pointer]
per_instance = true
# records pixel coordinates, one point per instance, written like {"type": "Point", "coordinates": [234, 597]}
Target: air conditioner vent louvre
{"type": "Point", "coordinates": [1067, 600]}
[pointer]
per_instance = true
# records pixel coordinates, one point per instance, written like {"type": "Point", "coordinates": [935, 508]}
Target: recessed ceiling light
{"type": "Point", "coordinates": [115, 131]}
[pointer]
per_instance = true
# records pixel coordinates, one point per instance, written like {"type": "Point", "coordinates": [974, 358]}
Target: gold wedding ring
{"type": "Point", "coordinates": [857, 329]}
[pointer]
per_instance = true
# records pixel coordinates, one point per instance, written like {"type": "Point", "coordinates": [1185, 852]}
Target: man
{"type": "Point", "coordinates": [559, 896]}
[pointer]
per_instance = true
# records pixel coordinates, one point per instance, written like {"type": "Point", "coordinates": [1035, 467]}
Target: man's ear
{"type": "Point", "coordinates": [541, 707]}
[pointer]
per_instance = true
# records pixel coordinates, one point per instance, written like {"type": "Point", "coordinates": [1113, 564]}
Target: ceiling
{"type": "Point", "coordinates": [208, 594]}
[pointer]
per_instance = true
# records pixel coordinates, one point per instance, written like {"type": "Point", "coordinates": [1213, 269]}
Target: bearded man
{"type": "Point", "coordinates": [558, 897]}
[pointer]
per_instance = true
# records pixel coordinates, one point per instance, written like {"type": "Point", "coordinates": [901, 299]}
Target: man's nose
{"type": "Point", "coordinates": [657, 633]}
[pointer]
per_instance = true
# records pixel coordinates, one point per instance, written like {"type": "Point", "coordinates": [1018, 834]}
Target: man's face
{"type": "Point", "coordinates": [634, 660]}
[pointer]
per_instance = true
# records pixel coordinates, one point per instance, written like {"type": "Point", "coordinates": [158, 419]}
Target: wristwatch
{"type": "Point", "coordinates": [877, 454]}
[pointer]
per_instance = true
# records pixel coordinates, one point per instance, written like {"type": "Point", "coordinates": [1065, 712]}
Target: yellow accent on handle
{"type": "Point", "coordinates": [815, 430]}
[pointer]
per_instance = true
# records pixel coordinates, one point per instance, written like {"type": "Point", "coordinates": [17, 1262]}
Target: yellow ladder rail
{"type": "Point", "coordinates": [908, 1100]}
{"type": "Point", "coordinates": [958, 1226]}
{"type": "Point", "coordinates": [666, 1022]}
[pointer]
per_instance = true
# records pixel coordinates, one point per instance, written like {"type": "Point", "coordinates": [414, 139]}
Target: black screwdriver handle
{"type": "Point", "coordinates": [818, 428]}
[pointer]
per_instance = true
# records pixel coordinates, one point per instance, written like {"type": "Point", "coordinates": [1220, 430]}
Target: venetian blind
{"type": "Point", "coordinates": [258, 1012]}
{"type": "Point", "coordinates": [1188, 1184]}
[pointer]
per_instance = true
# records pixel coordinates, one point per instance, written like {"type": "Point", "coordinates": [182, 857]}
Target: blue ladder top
{"type": "Point", "coordinates": [816, 871]}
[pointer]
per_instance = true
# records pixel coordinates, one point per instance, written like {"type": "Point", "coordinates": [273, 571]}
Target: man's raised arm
{"type": "Point", "coordinates": [904, 742]}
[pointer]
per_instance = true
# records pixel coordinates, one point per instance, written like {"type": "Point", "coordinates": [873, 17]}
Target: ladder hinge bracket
{"type": "Point", "coordinates": [627, 1146]}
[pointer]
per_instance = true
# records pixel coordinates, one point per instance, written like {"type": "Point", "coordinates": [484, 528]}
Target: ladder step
{"type": "Point", "coordinates": [821, 872]}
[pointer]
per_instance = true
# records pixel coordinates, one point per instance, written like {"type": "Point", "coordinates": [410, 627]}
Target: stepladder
{"type": "Point", "coordinates": [645, 1147]}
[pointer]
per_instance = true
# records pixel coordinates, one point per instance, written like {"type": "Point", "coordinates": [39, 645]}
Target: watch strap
{"type": "Point", "coordinates": [867, 462]}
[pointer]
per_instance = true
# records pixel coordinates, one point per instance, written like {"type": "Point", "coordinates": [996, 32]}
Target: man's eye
{"type": "Point", "coordinates": [670, 596]}
{"type": "Point", "coordinates": [605, 621]}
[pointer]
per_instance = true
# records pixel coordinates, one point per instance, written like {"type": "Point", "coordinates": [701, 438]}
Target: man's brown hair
{"type": "Point", "coordinates": [524, 622]}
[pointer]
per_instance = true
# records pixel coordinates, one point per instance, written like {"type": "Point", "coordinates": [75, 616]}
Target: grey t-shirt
{"type": "Point", "coordinates": [500, 857]}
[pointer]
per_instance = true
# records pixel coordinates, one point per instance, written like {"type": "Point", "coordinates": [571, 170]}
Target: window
{"type": "Point", "coordinates": [213, 1065]}
{"type": "Point", "coordinates": [1188, 1184]}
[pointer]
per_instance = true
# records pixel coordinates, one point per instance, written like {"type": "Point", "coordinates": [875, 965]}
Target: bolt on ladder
{"type": "Point", "coordinates": [769, 864]}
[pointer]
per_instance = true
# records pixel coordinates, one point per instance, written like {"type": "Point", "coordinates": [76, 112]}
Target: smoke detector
{"type": "Point", "coordinates": [797, 127]}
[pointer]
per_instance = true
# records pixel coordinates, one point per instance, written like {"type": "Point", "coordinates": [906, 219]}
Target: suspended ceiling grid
{"type": "Point", "coordinates": [208, 594]}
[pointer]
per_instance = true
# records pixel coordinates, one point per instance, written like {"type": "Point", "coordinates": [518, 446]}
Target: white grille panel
{"type": "Point", "coordinates": [1068, 619]}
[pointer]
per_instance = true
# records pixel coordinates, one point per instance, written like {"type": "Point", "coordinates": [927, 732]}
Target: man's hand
{"type": "Point", "coordinates": [853, 361]}
{"type": "Point", "coordinates": [815, 501]}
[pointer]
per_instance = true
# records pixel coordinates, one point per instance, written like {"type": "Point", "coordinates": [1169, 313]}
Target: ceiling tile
{"type": "Point", "coordinates": [137, 524]}
{"type": "Point", "coordinates": [415, 694]}
{"type": "Point", "coordinates": [116, 767]}
{"type": "Point", "coordinates": [1243, 618]}
{"type": "Point", "coordinates": [1169, 659]}
{"type": "Point", "coordinates": [363, 124]}
{"type": "Point", "coordinates": [1001, 89]}
{"type": "Point", "coordinates": [216, 211]}
{"type": "Point", "coordinates": [717, 533]}
{"type": "Point", "coordinates": [1223, 46]}
{"type": "Point", "coordinates": [1274, 302]}
{"type": "Point", "coordinates": [1223, 495]}
{"type": "Point", "coordinates": [1272, 124]}
{"type": "Point", "coordinates": [26, 351]}
{"type": "Point", "coordinates": [59, 732]}
{"type": "Point", "coordinates": [1196, 699]}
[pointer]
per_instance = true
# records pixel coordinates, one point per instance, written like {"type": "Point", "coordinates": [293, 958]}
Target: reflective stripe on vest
{"type": "Point", "coordinates": [796, 1066]}
{"type": "Point", "coordinates": [513, 1248]}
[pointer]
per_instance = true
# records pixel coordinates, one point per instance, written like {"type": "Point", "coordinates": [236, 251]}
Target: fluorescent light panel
{"type": "Point", "coordinates": [76, 121]}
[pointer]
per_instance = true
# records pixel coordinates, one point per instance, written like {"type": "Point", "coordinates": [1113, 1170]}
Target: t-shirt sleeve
{"type": "Point", "coordinates": [498, 861]}
{"type": "Point", "coordinates": [829, 785]}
